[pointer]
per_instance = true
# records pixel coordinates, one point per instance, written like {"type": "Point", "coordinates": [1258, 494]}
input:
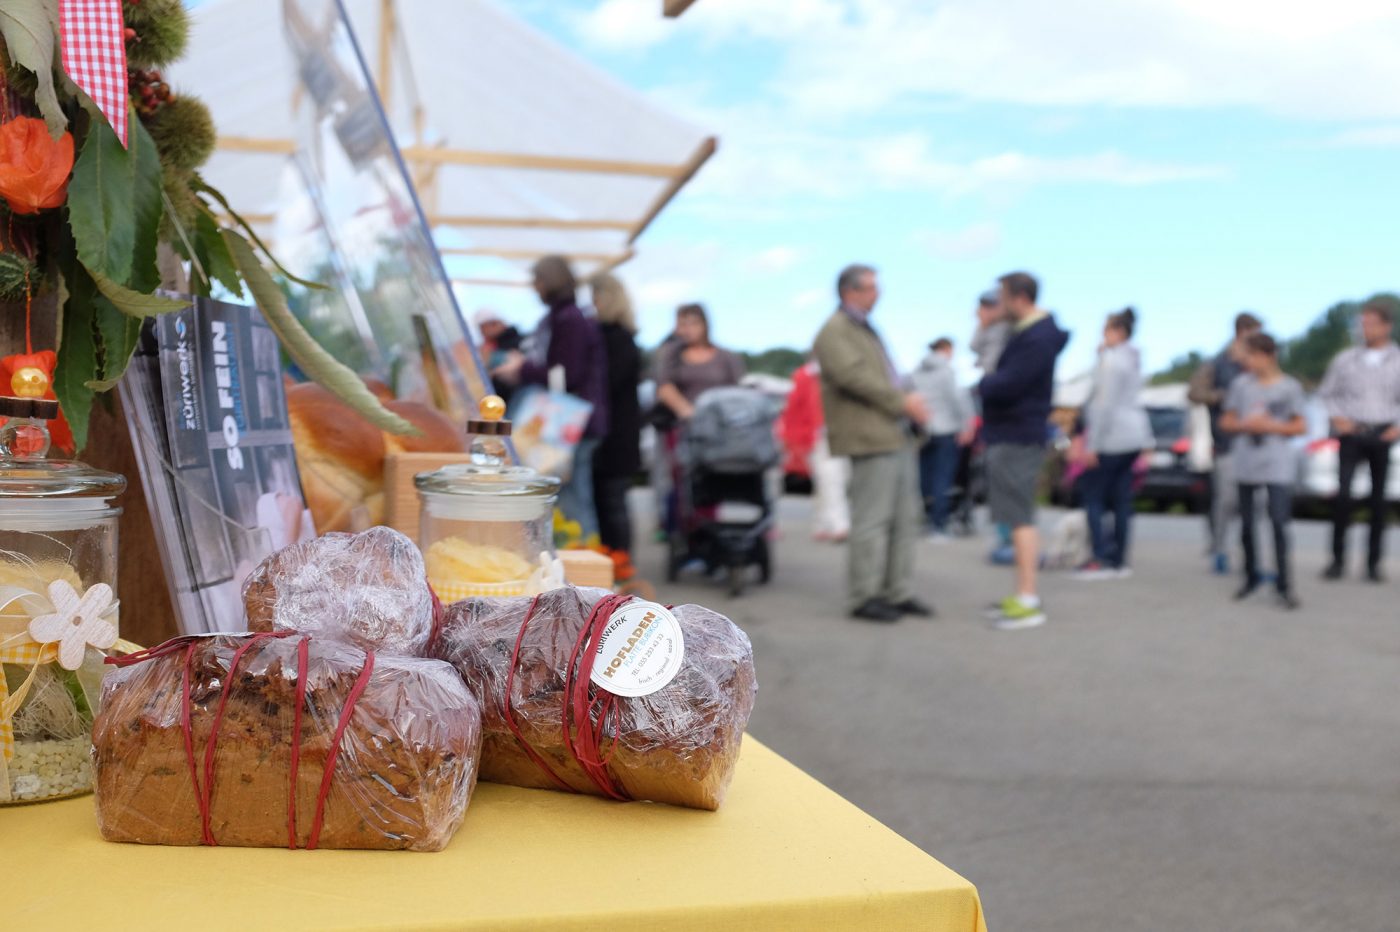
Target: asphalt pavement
{"type": "Point", "coordinates": [1157, 757]}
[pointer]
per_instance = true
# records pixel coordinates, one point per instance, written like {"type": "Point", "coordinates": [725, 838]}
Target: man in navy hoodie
{"type": "Point", "coordinates": [1016, 399]}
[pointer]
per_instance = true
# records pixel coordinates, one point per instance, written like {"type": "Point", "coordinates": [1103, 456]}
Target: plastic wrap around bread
{"type": "Point", "coordinates": [666, 726]}
{"type": "Point", "coordinates": [370, 588]}
{"type": "Point", "coordinates": [272, 740]}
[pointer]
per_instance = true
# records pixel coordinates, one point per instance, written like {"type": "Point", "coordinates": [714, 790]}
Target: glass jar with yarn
{"type": "Point", "coordinates": [58, 607]}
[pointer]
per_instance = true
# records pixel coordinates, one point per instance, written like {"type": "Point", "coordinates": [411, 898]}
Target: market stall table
{"type": "Point", "coordinates": [783, 853]}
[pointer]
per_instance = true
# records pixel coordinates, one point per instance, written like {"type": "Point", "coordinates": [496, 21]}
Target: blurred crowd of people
{"type": "Point", "coordinates": [591, 353]}
{"type": "Point", "coordinates": [890, 454]}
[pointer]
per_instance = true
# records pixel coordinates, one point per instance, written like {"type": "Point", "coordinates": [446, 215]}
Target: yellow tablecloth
{"type": "Point", "coordinates": [783, 853]}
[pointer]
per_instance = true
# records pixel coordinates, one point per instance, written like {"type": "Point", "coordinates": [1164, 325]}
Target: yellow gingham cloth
{"type": "Point", "coordinates": [450, 592]}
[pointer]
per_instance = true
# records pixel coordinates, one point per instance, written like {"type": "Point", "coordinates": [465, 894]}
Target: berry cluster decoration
{"type": "Point", "coordinates": [149, 91]}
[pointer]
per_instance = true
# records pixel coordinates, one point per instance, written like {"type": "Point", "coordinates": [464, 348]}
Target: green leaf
{"type": "Point", "coordinates": [77, 361]}
{"type": "Point", "coordinates": [30, 28]}
{"type": "Point", "coordinates": [305, 351]}
{"type": "Point", "coordinates": [204, 187]}
{"type": "Point", "coordinates": [146, 205]}
{"type": "Point", "coordinates": [119, 334]}
{"type": "Point", "coordinates": [101, 197]}
{"type": "Point", "coordinates": [134, 303]}
{"type": "Point", "coordinates": [214, 255]}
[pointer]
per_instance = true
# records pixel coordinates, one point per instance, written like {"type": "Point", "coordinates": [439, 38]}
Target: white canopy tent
{"type": "Point", "coordinates": [516, 147]}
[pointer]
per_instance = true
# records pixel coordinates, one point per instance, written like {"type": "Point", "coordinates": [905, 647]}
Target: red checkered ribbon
{"type": "Point", "coordinates": [94, 55]}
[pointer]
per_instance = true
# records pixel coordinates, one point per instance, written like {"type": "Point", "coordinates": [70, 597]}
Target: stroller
{"type": "Point", "coordinates": [722, 509]}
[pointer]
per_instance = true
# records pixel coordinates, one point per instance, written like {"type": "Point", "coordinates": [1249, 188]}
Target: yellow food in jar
{"type": "Point", "coordinates": [455, 559]}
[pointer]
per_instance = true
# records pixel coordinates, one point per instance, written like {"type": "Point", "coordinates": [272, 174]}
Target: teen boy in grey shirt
{"type": "Point", "coordinates": [1264, 408]}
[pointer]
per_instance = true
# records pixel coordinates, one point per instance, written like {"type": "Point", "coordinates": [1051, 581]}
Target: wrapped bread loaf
{"type": "Point", "coordinates": [292, 741]}
{"type": "Point", "coordinates": [369, 588]}
{"type": "Point", "coordinates": [523, 658]}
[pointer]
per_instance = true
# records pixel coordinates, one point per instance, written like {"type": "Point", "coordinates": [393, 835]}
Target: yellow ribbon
{"type": "Point", "coordinates": [18, 647]}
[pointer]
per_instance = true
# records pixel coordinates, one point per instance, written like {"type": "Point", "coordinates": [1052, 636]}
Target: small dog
{"type": "Point", "coordinates": [1069, 542]}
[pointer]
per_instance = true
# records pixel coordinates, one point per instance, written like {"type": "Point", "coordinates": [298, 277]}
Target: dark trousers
{"type": "Point", "coordinates": [938, 464]}
{"type": "Point", "coordinates": [1108, 488]}
{"type": "Point", "coordinates": [614, 523]}
{"type": "Point", "coordinates": [1352, 452]}
{"type": "Point", "coordinates": [1280, 499]}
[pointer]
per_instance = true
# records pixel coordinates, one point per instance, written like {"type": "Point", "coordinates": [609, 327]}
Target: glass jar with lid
{"type": "Point", "coordinates": [58, 608]}
{"type": "Point", "coordinates": [487, 525]}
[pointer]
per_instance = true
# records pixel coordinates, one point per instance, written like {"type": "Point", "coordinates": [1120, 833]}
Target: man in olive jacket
{"type": "Point", "coordinates": [870, 419]}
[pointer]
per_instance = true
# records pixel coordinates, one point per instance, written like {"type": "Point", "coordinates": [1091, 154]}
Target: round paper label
{"type": "Point", "coordinates": [639, 651]}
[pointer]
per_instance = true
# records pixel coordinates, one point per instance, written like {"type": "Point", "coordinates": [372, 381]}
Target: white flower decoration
{"type": "Point", "coordinates": [76, 622]}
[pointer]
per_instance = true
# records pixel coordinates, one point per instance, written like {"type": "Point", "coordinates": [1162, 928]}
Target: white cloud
{"type": "Point", "coordinates": [1295, 57]}
{"type": "Point", "coordinates": [811, 299]}
{"type": "Point", "coordinates": [769, 157]}
{"type": "Point", "coordinates": [623, 24]}
{"type": "Point", "coordinates": [1367, 137]}
{"type": "Point", "coordinates": [978, 241]}
{"type": "Point", "coordinates": [774, 260]}
{"type": "Point", "coordinates": [759, 163]}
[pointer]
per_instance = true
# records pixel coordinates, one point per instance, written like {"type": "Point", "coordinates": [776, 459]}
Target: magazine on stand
{"type": "Point", "coordinates": [208, 420]}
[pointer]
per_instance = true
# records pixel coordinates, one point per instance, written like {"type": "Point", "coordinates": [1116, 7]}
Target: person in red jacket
{"type": "Point", "coordinates": [802, 428]}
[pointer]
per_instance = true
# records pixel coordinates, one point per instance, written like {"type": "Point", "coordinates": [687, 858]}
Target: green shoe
{"type": "Point", "coordinates": [1016, 615]}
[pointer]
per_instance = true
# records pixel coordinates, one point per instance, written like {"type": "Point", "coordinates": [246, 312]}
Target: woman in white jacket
{"type": "Point", "coordinates": [1117, 430]}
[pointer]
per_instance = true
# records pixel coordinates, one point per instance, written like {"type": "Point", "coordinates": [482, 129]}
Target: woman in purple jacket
{"type": "Point", "coordinates": [567, 339]}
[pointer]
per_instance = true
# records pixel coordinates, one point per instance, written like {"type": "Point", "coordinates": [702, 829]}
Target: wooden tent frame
{"type": "Point", "coordinates": [425, 161]}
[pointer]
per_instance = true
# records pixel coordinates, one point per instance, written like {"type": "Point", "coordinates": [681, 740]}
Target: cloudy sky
{"type": "Point", "coordinates": [1189, 157]}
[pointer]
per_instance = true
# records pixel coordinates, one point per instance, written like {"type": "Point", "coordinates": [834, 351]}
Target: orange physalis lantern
{"type": "Point", "coordinates": [34, 167]}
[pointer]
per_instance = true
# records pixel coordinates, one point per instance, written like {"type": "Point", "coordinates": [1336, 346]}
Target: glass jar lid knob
{"type": "Point", "coordinates": [24, 434]}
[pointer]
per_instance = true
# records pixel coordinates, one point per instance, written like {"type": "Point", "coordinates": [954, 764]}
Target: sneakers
{"type": "Point", "coordinates": [877, 610]}
{"type": "Point", "coordinates": [1094, 571]}
{"type": "Point", "coordinates": [1287, 599]}
{"type": "Point", "coordinates": [1246, 590]}
{"type": "Point", "coordinates": [1220, 564]}
{"type": "Point", "coordinates": [938, 537]}
{"type": "Point", "coordinates": [1334, 572]}
{"type": "Point", "coordinates": [915, 608]}
{"type": "Point", "coordinates": [1015, 615]}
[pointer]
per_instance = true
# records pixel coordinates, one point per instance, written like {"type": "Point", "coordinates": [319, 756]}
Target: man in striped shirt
{"type": "Point", "coordinates": [1362, 394]}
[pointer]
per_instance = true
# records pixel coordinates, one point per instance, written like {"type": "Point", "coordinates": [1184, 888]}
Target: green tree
{"type": "Point", "coordinates": [781, 361]}
{"type": "Point", "coordinates": [1180, 369]}
{"type": "Point", "coordinates": [1308, 355]}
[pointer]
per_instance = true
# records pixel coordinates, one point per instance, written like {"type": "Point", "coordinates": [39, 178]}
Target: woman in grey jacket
{"type": "Point", "coordinates": [1116, 432]}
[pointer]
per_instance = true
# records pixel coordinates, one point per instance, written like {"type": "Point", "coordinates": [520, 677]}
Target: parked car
{"type": "Point", "coordinates": [1319, 465]}
{"type": "Point", "coordinates": [1178, 468]}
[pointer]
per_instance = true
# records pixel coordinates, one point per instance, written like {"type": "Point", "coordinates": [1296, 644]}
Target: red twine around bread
{"type": "Point", "coordinates": [584, 716]}
{"type": "Point", "coordinates": [204, 793]}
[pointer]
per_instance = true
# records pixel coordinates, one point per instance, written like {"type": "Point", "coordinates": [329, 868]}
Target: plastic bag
{"type": "Point", "coordinates": [387, 756]}
{"type": "Point", "coordinates": [369, 588]}
{"type": "Point", "coordinates": [548, 427]}
{"type": "Point", "coordinates": [677, 745]}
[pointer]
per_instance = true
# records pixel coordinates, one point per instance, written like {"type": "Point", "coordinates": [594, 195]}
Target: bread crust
{"type": "Point", "coordinates": [405, 771]}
